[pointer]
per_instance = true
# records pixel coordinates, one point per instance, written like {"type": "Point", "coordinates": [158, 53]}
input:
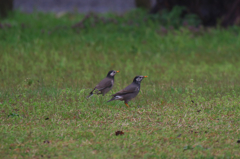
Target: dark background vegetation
{"type": "Point", "coordinates": [210, 12]}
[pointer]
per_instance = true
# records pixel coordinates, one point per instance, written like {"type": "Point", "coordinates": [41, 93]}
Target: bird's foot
{"type": "Point", "coordinates": [127, 105]}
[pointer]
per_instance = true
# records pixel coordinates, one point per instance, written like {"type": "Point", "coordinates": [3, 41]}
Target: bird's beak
{"type": "Point", "coordinates": [145, 76]}
{"type": "Point", "coordinates": [117, 71]}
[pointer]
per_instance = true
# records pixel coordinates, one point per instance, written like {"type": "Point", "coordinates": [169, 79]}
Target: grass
{"type": "Point", "coordinates": [187, 108]}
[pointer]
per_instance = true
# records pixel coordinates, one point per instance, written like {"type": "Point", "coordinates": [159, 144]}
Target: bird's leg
{"type": "Point", "coordinates": [127, 105]}
{"type": "Point", "coordinates": [98, 92]}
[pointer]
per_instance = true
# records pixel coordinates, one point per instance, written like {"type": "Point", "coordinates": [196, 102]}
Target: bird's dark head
{"type": "Point", "coordinates": [112, 73]}
{"type": "Point", "coordinates": [138, 79]}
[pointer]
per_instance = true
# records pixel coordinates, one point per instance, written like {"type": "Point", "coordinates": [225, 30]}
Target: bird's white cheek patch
{"type": "Point", "coordinates": [139, 79]}
{"type": "Point", "coordinates": [112, 74]}
{"type": "Point", "coordinates": [118, 97]}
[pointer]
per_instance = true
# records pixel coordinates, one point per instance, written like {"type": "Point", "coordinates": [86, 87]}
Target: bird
{"type": "Point", "coordinates": [130, 92]}
{"type": "Point", "coordinates": [105, 85]}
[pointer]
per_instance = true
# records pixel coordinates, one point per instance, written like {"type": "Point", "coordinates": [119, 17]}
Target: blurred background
{"type": "Point", "coordinates": [81, 6]}
{"type": "Point", "coordinates": [56, 39]}
{"type": "Point", "coordinates": [209, 11]}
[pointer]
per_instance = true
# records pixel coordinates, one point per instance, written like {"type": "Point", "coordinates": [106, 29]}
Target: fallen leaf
{"type": "Point", "coordinates": [27, 150]}
{"type": "Point", "coordinates": [94, 151]}
{"type": "Point", "coordinates": [119, 133]}
{"type": "Point", "coordinates": [46, 142]}
{"type": "Point", "coordinates": [17, 150]}
{"type": "Point", "coordinates": [193, 102]}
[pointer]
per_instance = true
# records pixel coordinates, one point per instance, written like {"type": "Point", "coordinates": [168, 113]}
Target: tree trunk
{"type": "Point", "coordinates": [145, 4]}
{"type": "Point", "coordinates": [5, 7]}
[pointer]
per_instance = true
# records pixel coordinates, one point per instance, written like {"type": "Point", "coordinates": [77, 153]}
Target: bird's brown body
{"type": "Point", "coordinates": [105, 85]}
{"type": "Point", "coordinates": [130, 92]}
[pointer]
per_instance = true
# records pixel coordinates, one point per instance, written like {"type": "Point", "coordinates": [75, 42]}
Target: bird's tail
{"type": "Point", "coordinates": [91, 93]}
{"type": "Point", "coordinates": [113, 98]}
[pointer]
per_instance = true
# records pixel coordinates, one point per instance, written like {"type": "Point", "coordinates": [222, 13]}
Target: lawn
{"type": "Point", "coordinates": [188, 107]}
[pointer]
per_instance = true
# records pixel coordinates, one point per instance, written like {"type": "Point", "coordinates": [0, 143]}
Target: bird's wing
{"type": "Point", "coordinates": [105, 83]}
{"type": "Point", "coordinates": [129, 89]}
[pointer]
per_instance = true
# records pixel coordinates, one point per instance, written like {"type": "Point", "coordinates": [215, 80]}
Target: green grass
{"type": "Point", "coordinates": [48, 68]}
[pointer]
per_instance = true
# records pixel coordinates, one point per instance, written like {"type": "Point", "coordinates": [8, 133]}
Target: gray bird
{"type": "Point", "coordinates": [130, 92]}
{"type": "Point", "coordinates": [105, 85]}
